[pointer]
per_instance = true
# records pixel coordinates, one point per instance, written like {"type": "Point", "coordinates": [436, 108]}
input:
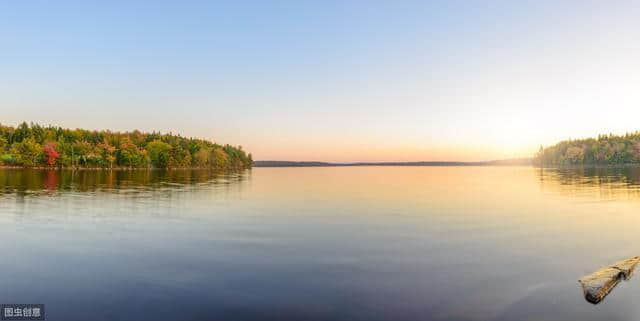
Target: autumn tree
{"type": "Point", "coordinates": [36, 145]}
{"type": "Point", "coordinates": [51, 153]}
{"type": "Point", "coordinates": [219, 158]}
{"type": "Point", "coordinates": [201, 157]}
{"type": "Point", "coordinates": [130, 155]}
{"type": "Point", "coordinates": [108, 152]}
{"type": "Point", "coordinates": [574, 155]}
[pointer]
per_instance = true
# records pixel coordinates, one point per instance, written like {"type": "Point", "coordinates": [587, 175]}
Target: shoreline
{"type": "Point", "coordinates": [504, 162]}
{"type": "Point", "coordinates": [632, 165]}
{"type": "Point", "coordinates": [118, 168]}
{"type": "Point", "coordinates": [318, 164]}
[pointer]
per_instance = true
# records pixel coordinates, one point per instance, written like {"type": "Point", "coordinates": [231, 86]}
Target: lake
{"type": "Point", "coordinates": [337, 243]}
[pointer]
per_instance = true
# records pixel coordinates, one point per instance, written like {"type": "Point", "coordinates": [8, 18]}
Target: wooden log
{"type": "Point", "coordinates": [597, 285]}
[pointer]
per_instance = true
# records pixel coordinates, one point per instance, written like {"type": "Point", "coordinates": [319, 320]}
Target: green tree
{"type": "Point", "coordinates": [159, 153]}
{"type": "Point", "coordinates": [81, 153]}
{"type": "Point", "coordinates": [28, 152]}
{"type": "Point", "coordinates": [7, 159]}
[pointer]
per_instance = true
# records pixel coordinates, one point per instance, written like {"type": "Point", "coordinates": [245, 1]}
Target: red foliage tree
{"type": "Point", "coordinates": [51, 152]}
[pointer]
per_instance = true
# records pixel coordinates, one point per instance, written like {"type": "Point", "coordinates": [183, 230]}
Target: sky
{"type": "Point", "coordinates": [329, 80]}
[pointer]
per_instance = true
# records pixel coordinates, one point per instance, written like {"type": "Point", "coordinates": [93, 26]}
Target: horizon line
{"type": "Point", "coordinates": [282, 163]}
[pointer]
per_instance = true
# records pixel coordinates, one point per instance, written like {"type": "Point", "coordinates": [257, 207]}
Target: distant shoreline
{"type": "Point", "coordinates": [506, 162]}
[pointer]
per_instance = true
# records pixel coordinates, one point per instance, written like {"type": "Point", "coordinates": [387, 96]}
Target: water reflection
{"type": "Point", "coordinates": [34, 182]}
{"type": "Point", "coordinates": [356, 243]}
{"type": "Point", "coordinates": [604, 183]}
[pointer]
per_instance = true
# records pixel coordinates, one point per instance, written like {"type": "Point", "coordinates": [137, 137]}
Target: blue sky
{"type": "Point", "coordinates": [328, 80]}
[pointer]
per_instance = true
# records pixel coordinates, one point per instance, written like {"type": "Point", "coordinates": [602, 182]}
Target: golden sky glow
{"type": "Point", "coordinates": [331, 82]}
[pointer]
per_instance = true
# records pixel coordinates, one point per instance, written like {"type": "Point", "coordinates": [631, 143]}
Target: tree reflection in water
{"type": "Point", "coordinates": [35, 181]}
{"type": "Point", "coordinates": [599, 182]}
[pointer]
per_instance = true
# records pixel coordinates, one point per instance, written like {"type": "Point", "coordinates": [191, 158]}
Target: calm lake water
{"type": "Point", "coordinates": [339, 243]}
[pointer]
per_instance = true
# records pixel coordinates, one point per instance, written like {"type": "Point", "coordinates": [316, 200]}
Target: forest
{"type": "Point", "coordinates": [33, 145]}
{"type": "Point", "coordinates": [603, 150]}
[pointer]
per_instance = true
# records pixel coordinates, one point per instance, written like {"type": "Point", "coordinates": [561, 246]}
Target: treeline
{"type": "Point", "coordinates": [35, 146]}
{"type": "Point", "coordinates": [604, 150]}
